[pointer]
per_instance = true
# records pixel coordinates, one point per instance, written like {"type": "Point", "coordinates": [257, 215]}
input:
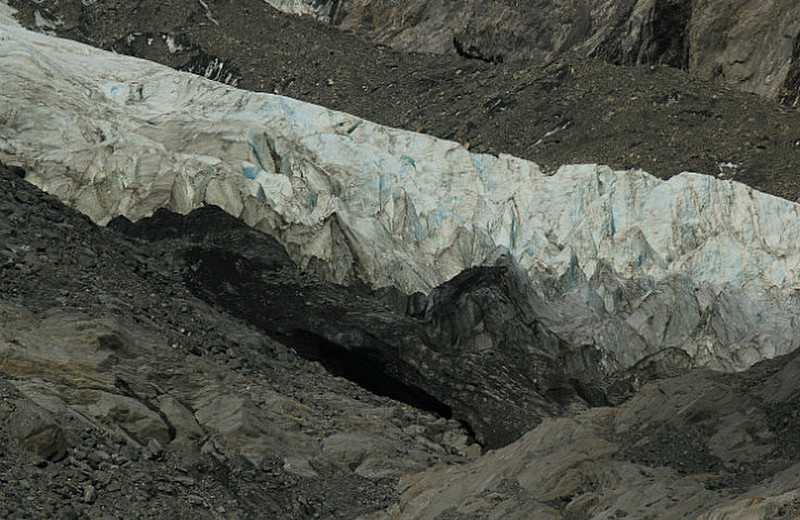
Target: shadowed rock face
{"type": "Point", "coordinates": [497, 350]}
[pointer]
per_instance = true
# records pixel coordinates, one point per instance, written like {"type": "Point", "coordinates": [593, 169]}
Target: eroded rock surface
{"type": "Point", "coordinates": [473, 350]}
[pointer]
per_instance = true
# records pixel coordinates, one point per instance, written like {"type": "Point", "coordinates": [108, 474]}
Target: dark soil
{"type": "Point", "coordinates": [575, 110]}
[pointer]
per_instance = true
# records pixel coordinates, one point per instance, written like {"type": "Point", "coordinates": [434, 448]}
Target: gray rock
{"type": "Point", "coordinates": [154, 449]}
{"type": "Point", "coordinates": [89, 494]}
{"type": "Point", "coordinates": [694, 446]}
{"type": "Point", "coordinates": [187, 430]}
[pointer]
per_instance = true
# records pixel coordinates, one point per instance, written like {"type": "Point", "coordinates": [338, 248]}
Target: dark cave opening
{"type": "Point", "coordinates": [365, 367]}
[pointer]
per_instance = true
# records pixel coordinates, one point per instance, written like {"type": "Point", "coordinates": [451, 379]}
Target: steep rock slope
{"type": "Point", "coordinates": [357, 201]}
{"type": "Point", "coordinates": [752, 46]}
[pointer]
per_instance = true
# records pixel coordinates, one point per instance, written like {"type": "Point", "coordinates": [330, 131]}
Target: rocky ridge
{"type": "Point", "coordinates": [697, 446]}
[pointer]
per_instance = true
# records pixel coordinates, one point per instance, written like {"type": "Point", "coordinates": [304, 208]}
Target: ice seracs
{"type": "Point", "coordinates": [113, 135]}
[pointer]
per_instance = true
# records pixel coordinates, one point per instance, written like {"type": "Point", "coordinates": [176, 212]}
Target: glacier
{"type": "Point", "coordinates": [617, 259]}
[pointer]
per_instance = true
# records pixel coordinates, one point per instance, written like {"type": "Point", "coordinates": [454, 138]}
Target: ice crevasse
{"type": "Point", "coordinates": [114, 135]}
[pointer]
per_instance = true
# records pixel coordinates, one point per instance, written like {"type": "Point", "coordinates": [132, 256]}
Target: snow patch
{"type": "Point", "coordinates": [172, 46]}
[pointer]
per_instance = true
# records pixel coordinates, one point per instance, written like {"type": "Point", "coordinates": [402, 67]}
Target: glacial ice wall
{"type": "Point", "coordinates": [114, 135]}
